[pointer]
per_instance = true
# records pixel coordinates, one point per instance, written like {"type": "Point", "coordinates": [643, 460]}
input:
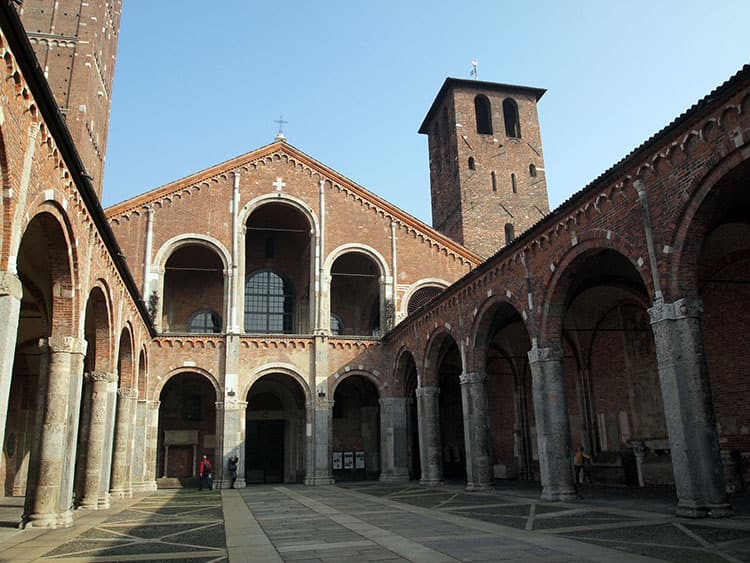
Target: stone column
{"type": "Point", "coordinates": [552, 424]}
{"type": "Point", "coordinates": [152, 439]}
{"type": "Point", "coordinates": [476, 431]}
{"type": "Point", "coordinates": [393, 439]}
{"type": "Point", "coordinates": [240, 450]}
{"type": "Point", "coordinates": [10, 305]}
{"type": "Point", "coordinates": [138, 441]}
{"type": "Point", "coordinates": [430, 454]}
{"type": "Point", "coordinates": [688, 409]}
{"type": "Point", "coordinates": [96, 439]}
{"type": "Point", "coordinates": [43, 509]}
{"type": "Point", "coordinates": [319, 465]}
{"type": "Point", "coordinates": [120, 487]}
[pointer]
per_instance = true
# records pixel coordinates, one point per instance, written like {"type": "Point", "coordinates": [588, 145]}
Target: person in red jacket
{"type": "Point", "coordinates": [204, 473]}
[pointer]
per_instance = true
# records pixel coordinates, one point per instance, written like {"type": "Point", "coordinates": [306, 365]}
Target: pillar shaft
{"type": "Point", "coordinates": [552, 425]}
{"type": "Point", "coordinates": [429, 435]}
{"type": "Point", "coordinates": [10, 305]}
{"type": "Point", "coordinates": [393, 439]}
{"type": "Point", "coordinates": [96, 438]}
{"type": "Point", "coordinates": [688, 409]}
{"type": "Point", "coordinates": [319, 466]}
{"type": "Point", "coordinates": [476, 431]}
{"type": "Point", "coordinates": [152, 436]}
{"type": "Point", "coordinates": [120, 487]}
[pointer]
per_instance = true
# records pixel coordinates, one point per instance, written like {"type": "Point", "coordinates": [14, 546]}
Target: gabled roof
{"type": "Point", "coordinates": [452, 83]}
{"type": "Point", "coordinates": [398, 214]}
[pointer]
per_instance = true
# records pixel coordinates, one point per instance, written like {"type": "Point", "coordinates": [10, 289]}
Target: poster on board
{"type": "Point", "coordinates": [348, 460]}
{"type": "Point", "coordinates": [359, 460]}
{"type": "Point", "coordinates": [337, 460]}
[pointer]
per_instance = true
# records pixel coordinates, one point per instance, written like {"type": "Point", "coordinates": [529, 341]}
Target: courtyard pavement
{"type": "Point", "coordinates": [382, 522]}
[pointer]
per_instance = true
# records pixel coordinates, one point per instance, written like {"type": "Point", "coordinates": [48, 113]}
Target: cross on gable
{"type": "Point", "coordinates": [278, 184]}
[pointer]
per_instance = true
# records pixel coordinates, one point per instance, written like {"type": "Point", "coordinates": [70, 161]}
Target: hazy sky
{"type": "Point", "coordinates": [198, 83]}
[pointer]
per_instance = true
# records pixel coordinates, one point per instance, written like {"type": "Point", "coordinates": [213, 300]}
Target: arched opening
{"type": "Point", "coordinates": [275, 430]}
{"type": "Point", "coordinates": [532, 170]}
{"type": "Point", "coordinates": [423, 296]}
{"type": "Point", "coordinates": [193, 284]}
{"type": "Point", "coordinates": [483, 111]}
{"type": "Point", "coordinates": [278, 242]}
{"type": "Point", "coordinates": [122, 452]}
{"type": "Point", "coordinates": [187, 428]}
{"type": "Point", "coordinates": [510, 233]}
{"type": "Point", "coordinates": [407, 372]}
{"type": "Point", "coordinates": [355, 294]}
{"type": "Point", "coordinates": [472, 163]}
{"type": "Point", "coordinates": [449, 369]}
{"type": "Point", "coordinates": [356, 430]}
{"type": "Point", "coordinates": [510, 116]}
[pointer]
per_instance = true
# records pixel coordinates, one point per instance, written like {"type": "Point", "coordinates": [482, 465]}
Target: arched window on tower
{"type": "Point", "coordinates": [513, 184]}
{"type": "Point", "coordinates": [472, 163]}
{"type": "Point", "coordinates": [510, 114]}
{"type": "Point", "coordinates": [509, 233]}
{"type": "Point", "coordinates": [483, 111]}
{"type": "Point", "coordinates": [269, 303]}
{"type": "Point", "coordinates": [532, 170]}
{"type": "Point", "coordinates": [494, 181]}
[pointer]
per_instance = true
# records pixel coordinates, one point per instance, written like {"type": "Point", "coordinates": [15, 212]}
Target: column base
{"type": "Point", "coordinates": [478, 487]}
{"type": "Point", "coordinates": [430, 482]}
{"type": "Point", "coordinates": [690, 509]}
{"type": "Point", "coordinates": [558, 495]}
{"type": "Point", "coordinates": [393, 477]}
{"type": "Point", "coordinates": [121, 493]}
{"type": "Point", "coordinates": [49, 520]}
{"type": "Point", "coordinates": [88, 504]}
{"type": "Point", "coordinates": [317, 481]}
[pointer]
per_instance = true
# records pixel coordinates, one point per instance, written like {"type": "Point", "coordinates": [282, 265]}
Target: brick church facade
{"type": "Point", "coordinates": [270, 308]}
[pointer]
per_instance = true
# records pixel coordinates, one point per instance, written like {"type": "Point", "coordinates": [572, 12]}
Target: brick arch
{"type": "Point", "coordinates": [416, 286]}
{"type": "Point", "coordinates": [100, 351]}
{"type": "Point", "coordinates": [5, 210]}
{"type": "Point", "coordinates": [401, 384]}
{"type": "Point", "coordinates": [125, 358]}
{"type": "Point", "coordinates": [434, 340]}
{"type": "Point", "coordinates": [693, 226]}
{"type": "Point", "coordinates": [557, 286]}
{"type": "Point", "coordinates": [281, 368]}
{"type": "Point", "coordinates": [359, 248]}
{"type": "Point", "coordinates": [187, 239]}
{"type": "Point", "coordinates": [251, 206]}
{"type": "Point", "coordinates": [480, 337]}
{"type": "Point", "coordinates": [161, 382]}
{"type": "Point", "coordinates": [142, 381]}
{"type": "Point", "coordinates": [368, 375]}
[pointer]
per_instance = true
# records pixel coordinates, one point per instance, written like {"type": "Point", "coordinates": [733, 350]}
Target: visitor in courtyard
{"type": "Point", "coordinates": [204, 473]}
{"type": "Point", "coordinates": [233, 470]}
{"type": "Point", "coordinates": [581, 459]}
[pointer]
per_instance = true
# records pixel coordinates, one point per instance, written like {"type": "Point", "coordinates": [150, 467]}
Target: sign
{"type": "Point", "coordinates": [348, 460]}
{"type": "Point", "coordinates": [337, 460]}
{"type": "Point", "coordinates": [359, 460]}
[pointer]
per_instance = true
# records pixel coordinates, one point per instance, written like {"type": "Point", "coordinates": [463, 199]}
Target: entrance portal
{"type": "Point", "coordinates": [265, 451]}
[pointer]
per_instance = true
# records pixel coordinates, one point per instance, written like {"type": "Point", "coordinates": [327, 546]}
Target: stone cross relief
{"type": "Point", "coordinates": [279, 184]}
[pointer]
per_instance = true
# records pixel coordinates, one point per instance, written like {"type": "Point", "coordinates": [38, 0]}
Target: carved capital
{"type": "Point", "coordinates": [100, 376]}
{"type": "Point", "coordinates": [474, 377]}
{"type": "Point", "coordinates": [688, 307]}
{"type": "Point", "coordinates": [10, 285]}
{"type": "Point", "coordinates": [127, 393]}
{"type": "Point", "coordinates": [428, 391]}
{"type": "Point", "coordinates": [547, 354]}
{"type": "Point", "coordinates": [63, 344]}
{"type": "Point", "coordinates": [154, 405]}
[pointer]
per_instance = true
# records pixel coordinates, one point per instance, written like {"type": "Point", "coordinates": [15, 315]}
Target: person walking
{"type": "Point", "coordinates": [233, 470]}
{"type": "Point", "coordinates": [581, 458]}
{"type": "Point", "coordinates": [204, 473]}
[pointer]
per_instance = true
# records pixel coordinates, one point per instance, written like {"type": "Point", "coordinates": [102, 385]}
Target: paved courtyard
{"type": "Point", "coordinates": [378, 522]}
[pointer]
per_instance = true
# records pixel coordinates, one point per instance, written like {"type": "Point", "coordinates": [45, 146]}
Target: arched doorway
{"type": "Point", "coordinates": [407, 371]}
{"type": "Point", "coordinates": [453, 447]}
{"type": "Point", "coordinates": [275, 429]}
{"type": "Point", "coordinates": [187, 428]}
{"type": "Point", "coordinates": [356, 429]}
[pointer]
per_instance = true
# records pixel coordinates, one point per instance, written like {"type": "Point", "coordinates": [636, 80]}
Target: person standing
{"type": "Point", "coordinates": [204, 473]}
{"type": "Point", "coordinates": [233, 470]}
{"type": "Point", "coordinates": [581, 458]}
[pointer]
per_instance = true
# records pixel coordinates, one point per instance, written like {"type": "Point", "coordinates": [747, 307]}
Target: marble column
{"type": "Point", "coordinates": [552, 424]}
{"type": "Point", "coordinates": [96, 439]}
{"type": "Point", "coordinates": [152, 440]}
{"type": "Point", "coordinates": [393, 439]}
{"type": "Point", "coordinates": [476, 431]}
{"type": "Point", "coordinates": [120, 487]}
{"type": "Point", "coordinates": [138, 441]}
{"type": "Point", "coordinates": [429, 435]}
{"type": "Point", "coordinates": [319, 464]}
{"type": "Point", "coordinates": [688, 409]}
{"type": "Point", "coordinates": [43, 508]}
{"type": "Point", "coordinates": [10, 305]}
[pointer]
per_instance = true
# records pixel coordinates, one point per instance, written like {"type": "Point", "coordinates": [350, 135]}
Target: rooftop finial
{"type": "Point", "coordinates": [474, 72]}
{"type": "Point", "coordinates": [280, 135]}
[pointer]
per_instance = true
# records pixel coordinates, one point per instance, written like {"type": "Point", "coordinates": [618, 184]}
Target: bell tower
{"type": "Point", "coordinates": [75, 42]}
{"type": "Point", "coordinates": [486, 163]}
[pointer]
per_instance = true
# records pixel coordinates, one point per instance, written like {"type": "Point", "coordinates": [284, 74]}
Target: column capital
{"type": "Point", "coordinates": [546, 354]}
{"type": "Point", "coordinates": [688, 307]}
{"type": "Point", "coordinates": [105, 376]}
{"type": "Point", "coordinates": [428, 390]}
{"type": "Point", "coordinates": [472, 377]}
{"type": "Point", "coordinates": [153, 405]}
{"type": "Point", "coordinates": [10, 285]}
{"type": "Point", "coordinates": [69, 344]}
{"type": "Point", "coordinates": [127, 393]}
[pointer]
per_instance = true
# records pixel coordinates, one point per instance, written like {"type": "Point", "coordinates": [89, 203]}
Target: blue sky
{"type": "Point", "coordinates": [198, 83]}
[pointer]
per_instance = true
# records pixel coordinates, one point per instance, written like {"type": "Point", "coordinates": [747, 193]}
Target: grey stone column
{"type": "Point", "coordinates": [552, 424]}
{"type": "Point", "coordinates": [239, 450]}
{"type": "Point", "coordinates": [476, 431]}
{"type": "Point", "coordinates": [96, 439]}
{"type": "Point", "coordinates": [393, 439]}
{"type": "Point", "coordinates": [319, 465]}
{"type": "Point", "coordinates": [43, 509]}
{"type": "Point", "coordinates": [429, 435]}
{"type": "Point", "coordinates": [688, 409]}
{"type": "Point", "coordinates": [138, 441]}
{"type": "Point", "coordinates": [120, 487]}
{"type": "Point", "coordinates": [10, 305]}
{"type": "Point", "coordinates": [152, 439]}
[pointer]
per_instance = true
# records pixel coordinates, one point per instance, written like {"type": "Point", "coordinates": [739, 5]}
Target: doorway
{"type": "Point", "coordinates": [265, 451]}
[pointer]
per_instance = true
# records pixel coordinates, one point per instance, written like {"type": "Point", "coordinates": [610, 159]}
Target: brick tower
{"type": "Point", "coordinates": [76, 43]}
{"type": "Point", "coordinates": [486, 164]}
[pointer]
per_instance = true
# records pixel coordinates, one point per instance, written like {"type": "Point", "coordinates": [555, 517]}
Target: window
{"type": "Point", "coordinates": [337, 325]}
{"type": "Point", "coordinates": [509, 233]}
{"type": "Point", "coordinates": [269, 303]}
{"type": "Point", "coordinates": [204, 322]}
{"type": "Point", "coordinates": [494, 181]}
{"type": "Point", "coordinates": [472, 164]}
{"type": "Point", "coordinates": [513, 185]}
{"type": "Point", "coordinates": [422, 296]}
{"type": "Point", "coordinates": [532, 170]}
{"type": "Point", "coordinates": [510, 114]}
{"type": "Point", "coordinates": [483, 112]}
